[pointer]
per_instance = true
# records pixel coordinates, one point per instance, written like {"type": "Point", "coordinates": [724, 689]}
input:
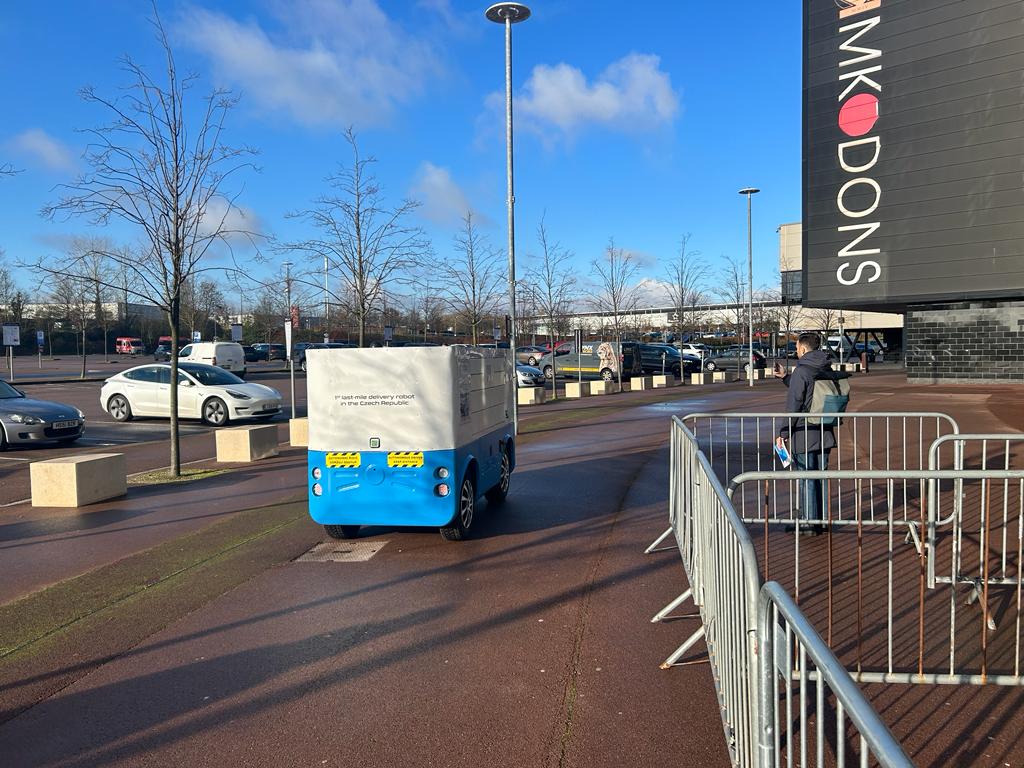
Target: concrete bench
{"type": "Point", "coordinates": [531, 395]}
{"type": "Point", "coordinates": [576, 389]}
{"type": "Point", "coordinates": [74, 481]}
{"type": "Point", "coordinates": [245, 444]}
{"type": "Point", "coordinates": [640, 383]}
{"type": "Point", "coordinates": [708, 377]}
{"type": "Point", "coordinates": [600, 387]}
{"type": "Point", "coordinates": [662, 382]}
{"type": "Point", "coordinates": [298, 432]}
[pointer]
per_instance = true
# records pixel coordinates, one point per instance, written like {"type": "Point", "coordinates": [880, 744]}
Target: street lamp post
{"type": "Point", "coordinates": [288, 328]}
{"type": "Point", "coordinates": [750, 192]}
{"type": "Point", "coordinates": [509, 14]}
{"type": "Point", "coordinates": [327, 306]}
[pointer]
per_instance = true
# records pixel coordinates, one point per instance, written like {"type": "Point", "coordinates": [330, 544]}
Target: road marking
{"type": "Point", "coordinates": [12, 458]}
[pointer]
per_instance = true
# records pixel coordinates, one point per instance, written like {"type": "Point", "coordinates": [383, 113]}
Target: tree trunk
{"type": "Point", "coordinates": [83, 351]}
{"type": "Point", "coordinates": [174, 321]}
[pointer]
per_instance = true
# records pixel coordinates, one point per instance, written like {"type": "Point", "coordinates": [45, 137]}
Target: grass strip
{"type": "Point", "coordinates": [164, 476]}
{"type": "Point", "coordinates": [35, 616]}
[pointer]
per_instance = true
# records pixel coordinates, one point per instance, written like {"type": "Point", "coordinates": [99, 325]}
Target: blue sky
{"type": "Point", "coordinates": [638, 121]}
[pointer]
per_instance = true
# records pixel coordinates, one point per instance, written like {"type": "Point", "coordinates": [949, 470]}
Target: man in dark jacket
{"type": "Point", "coordinates": [809, 444]}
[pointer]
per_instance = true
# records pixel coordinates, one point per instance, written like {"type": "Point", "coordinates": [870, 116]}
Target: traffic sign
{"type": "Point", "coordinates": [196, 337]}
{"type": "Point", "coordinates": [12, 335]}
{"type": "Point", "coordinates": [40, 338]}
{"type": "Point", "coordinates": [389, 333]}
{"type": "Point", "coordinates": [236, 332]}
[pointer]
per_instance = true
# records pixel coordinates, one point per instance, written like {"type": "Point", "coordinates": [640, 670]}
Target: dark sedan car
{"type": "Point", "coordinates": [162, 354]}
{"type": "Point", "coordinates": [732, 357]}
{"type": "Point", "coordinates": [252, 355]}
{"type": "Point", "coordinates": [659, 358]}
{"type": "Point", "coordinates": [300, 356]}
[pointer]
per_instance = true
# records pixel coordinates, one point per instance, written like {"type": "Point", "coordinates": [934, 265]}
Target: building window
{"type": "Point", "coordinates": [793, 287]}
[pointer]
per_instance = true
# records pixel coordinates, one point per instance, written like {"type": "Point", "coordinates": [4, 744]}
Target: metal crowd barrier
{"type": "Point", "coordinates": [797, 665]}
{"type": "Point", "coordinates": [869, 594]}
{"type": "Point", "coordinates": [725, 584]}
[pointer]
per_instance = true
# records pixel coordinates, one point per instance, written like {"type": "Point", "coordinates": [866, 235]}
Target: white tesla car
{"type": "Point", "coordinates": [205, 392]}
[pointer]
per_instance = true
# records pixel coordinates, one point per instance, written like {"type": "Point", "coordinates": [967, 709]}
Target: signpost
{"type": "Point", "coordinates": [578, 341]}
{"type": "Point", "coordinates": [236, 332]}
{"type": "Point", "coordinates": [389, 334]}
{"type": "Point", "coordinates": [291, 362]}
{"type": "Point", "coordinates": [196, 337]}
{"type": "Point", "coordinates": [12, 339]}
{"type": "Point", "coordinates": [40, 343]}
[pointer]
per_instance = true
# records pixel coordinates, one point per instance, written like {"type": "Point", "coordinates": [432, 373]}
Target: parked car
{"type": "Point", "coordinates": [301, 356]}
{"type": "Point", "coordinates": [24, 419]}
{"type": "Point", "coordinates": [129, 345]}
{"type": "Point", "coordinates": [529, 376]}
{"type": "Point", "coordinates": [260, 352]}
{"type": "Point", "coordinates": [728, 358]}
{"type": "Point", "coordinates": [205, 392]}
{"type": "Point", "coordinates": [594, 359]}
{"type": "Point", "coordinates": [251, 355]}
{"type": "Point", "coordinates": [530, 354]}
{"type": "Point", "coordinates": [277, 352]}
{"type": "Point", "coordinates": [674, 362]}
{"type": "Point", "coordinates": [162, 354]}
{"type": "Point", "coordinates": [690, 348]}
{"type": "Point", "coordinates": [228, 355]}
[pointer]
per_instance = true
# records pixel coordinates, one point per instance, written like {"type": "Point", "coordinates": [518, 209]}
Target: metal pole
{"type": "Point", "coordinates": [327, 306]}
{"type": "Point", "coordinates": [511, 209]}
{"type": "Point", "coordinates": [750, 296]}
{"type": "Point", "coordinates": [291, 360]}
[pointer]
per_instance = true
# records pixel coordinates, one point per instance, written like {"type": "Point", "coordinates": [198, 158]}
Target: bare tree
{"type": "Point", "coordinates": [686, 275]}
{"type": "Point", "coordinates": [824, 318]}
{"type": "Point", "coordinates": [472, 278]}
{"type": "Point", "coordinates": [554, 283]}
{"type": "Point", "coordinates": [372, 246]}
{"type": "Point", "coordinates": [732, 288]}
{"type": "Point", "coordinates": [162, 167]}
{"type": "Point", "coordinates": [6, 169]}
{"type": "Point", "coordinates": [616, 291]}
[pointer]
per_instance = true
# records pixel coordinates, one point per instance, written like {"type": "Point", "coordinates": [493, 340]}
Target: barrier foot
{"type": "Point", "coordinates": [664, 612]}
{"type": "Point", "coordinates": [977, 595]}
{"type": "Point", "coordinates": [691, 641]}
{"type": "Point", "coordinates": [654, 547]}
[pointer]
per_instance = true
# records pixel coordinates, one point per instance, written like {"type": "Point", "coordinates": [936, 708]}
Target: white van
{"type": "Point", "coordinates": [225, 354]}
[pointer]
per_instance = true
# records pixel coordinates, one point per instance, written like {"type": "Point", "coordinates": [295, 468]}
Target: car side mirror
{"type": "Point", "coordinates": [185, 383]}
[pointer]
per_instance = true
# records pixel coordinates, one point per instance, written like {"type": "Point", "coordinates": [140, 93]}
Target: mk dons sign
{"type": "Point", "coordinates": [913, 151]}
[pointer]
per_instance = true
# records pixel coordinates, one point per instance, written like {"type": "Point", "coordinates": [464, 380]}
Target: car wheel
{"type": "Point", "coordinates": [548, 372]}
{"type": "Point", "coordinates": [710, 365]}
{"type": "Point", "coordinates": [499, 492]}
{"type": "Point", "coordinates": [531, 360]}
{"type": "Point", "coordinates": [458, 528]}
{"type": "Point", "coordinates": [215, 412]}
{"type": "Point", "coordinates": [746, 367]}
{"type": "Point", "coordinates": [3, 439]}
{"type": "Point", "coordinates": [119, 408]}
{"type": "Point", "coordinates": [608, 374]}
{"type": "Point", "coordinates": [342, 531]}
{"type": "Point", "coordinates": [303, 366]}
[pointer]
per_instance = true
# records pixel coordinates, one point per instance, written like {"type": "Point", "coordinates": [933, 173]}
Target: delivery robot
{"type": "Point", "coordinates": [408, 436]}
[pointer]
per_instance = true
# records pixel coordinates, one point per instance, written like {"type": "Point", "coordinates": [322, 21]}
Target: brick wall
{"type": "Point", "coordinates": [965, 342]}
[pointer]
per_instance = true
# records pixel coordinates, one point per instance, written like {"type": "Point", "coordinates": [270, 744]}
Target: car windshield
{"type": "Point", "coordinates": [208, 374]}
{"type": "Point", "coordinates": [7, 392]}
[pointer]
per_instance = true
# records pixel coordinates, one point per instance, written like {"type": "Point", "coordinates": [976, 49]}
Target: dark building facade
{"type": "Point", "coordinates": [913, 169]}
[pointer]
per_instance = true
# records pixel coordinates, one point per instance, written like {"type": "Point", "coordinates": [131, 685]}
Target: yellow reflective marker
{"type": "Point", "coordinates": [349, 460]}
{"type": "Point", "coordinates": [405, 458]}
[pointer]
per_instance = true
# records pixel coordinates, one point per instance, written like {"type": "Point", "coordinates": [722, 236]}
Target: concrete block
{"type": "Point", "coordinates": [661, 382]}
{"type": "Point", "coordinates": [531, 395]}
{"type": "Point", "coordinates": [576, 389]}
{"type": "Point", "coordinates": [244, 444]}
{"type": "Point", "coordinates": [718, 375]}
{"type": "Point", "coordinates": [851, 367]}
{"type": "Point", "coordinates": [639, 383]}
{"type": "Point", "coordinates": [601, 387]}
{"type": "Point", "coordinates": [298, 432]}
{"type": "Point", "coordinates": [701, 378]}
{"type": "Point", "coordinates": [74, 481]}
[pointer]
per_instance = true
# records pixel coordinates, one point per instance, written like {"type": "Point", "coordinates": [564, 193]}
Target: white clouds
{"type": "Point", "coordinates": [238, 223]}
{"type": "Point", "coordinates": [330, 62]}
{"type": "Point", "coordinates": [631, 95]}
{"type": "Point", "coordinates": [44, 149]}
{"type": "Point", "coordinates": [652, 292]}
{"type": "Point", "coordinates": [443, 200]}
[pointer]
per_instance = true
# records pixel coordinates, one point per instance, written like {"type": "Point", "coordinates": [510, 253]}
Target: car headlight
{"type": "Point", "coordinates": [80, 414]}
{"type": "Point", "coordinates": [20, 418]}
{"type": "Point", "coordinates": [238, 395]}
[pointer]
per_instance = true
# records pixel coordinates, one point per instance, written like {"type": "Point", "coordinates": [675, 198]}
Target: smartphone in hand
{"type": "Point", "coordinates": [783, 453]}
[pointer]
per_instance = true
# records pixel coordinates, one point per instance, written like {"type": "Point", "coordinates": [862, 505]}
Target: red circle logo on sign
{"type": "Point", "coordinates": [858, 115]}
